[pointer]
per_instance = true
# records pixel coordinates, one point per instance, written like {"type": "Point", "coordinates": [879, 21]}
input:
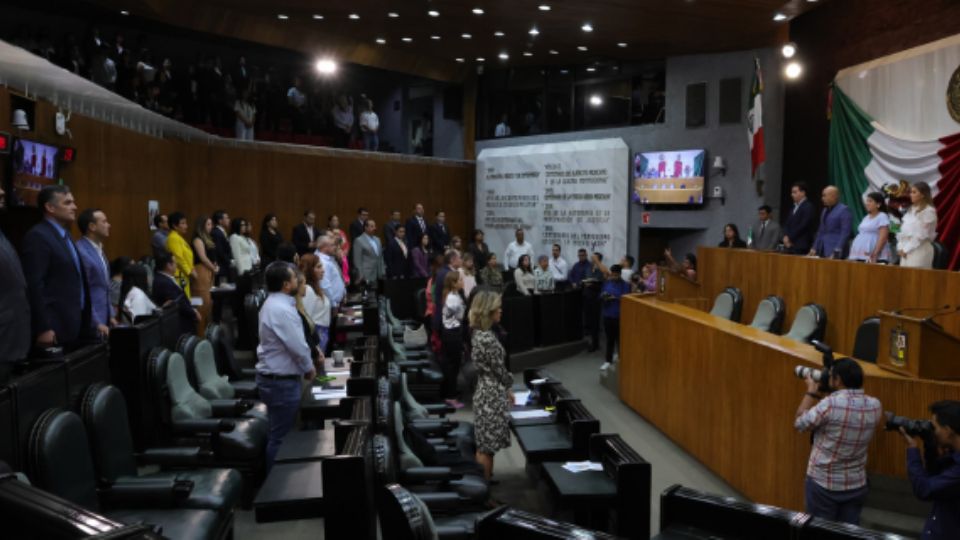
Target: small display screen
{"type": "Point", "coordinates": [669, 177]}
{"type": "Point", "coordinates": [34, 166]}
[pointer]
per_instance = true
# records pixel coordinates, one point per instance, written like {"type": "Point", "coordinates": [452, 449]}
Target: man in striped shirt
{"type": "Point", "coordinates": [842, 423]}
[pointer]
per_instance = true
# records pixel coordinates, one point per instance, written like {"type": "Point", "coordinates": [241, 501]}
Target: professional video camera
{"type": "Point", "coordinates": [818, 375]}
{"type": "Point", "coordinates": [914, 428]}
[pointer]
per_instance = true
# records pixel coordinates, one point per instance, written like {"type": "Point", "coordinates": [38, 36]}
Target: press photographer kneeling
{"type": "Point", "coordinates": [939, 481]}
{"type": "Point", "coordinates": [843, 420]}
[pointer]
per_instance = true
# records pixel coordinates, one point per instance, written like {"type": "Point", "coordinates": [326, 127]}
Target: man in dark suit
{"type": "Point", "coordinates": [397, 254]}
{"type": "Point", "coordinates": [798, 230]}
{"type": "Point", "coordinates": [390, 227]}
{"type": "Point", "coordinates": [836, 220]}
{"type": "Point", "coordinates": [439, 234]}
{"type": "Point", "coordinates": [416, 227]}
{"type": "Point", "coordinates": [358, 225]}
{"type": "Point", "coordinates": [167, 290]}
{"type": "Point", "coordinates": [96, 229]}
{"type": "Point", "coordinates": [220, 234]}
{"type": "Point", "coordinates": [306, 234]}
{"type": "Point", "coordinates": [14, 307]}
{"type": "Point", "coordinates": [59, 298]}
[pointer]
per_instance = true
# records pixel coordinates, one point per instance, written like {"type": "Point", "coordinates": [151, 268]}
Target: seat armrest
{"type": "Point", "coordinates": [441, 501]}
{"type": "Point", "coordinates": [174, 456]}
{"type": "Point", "coordinates": [248, 373]}
{"type": "Point", "coordinates": [146, 492]}
{"type": "Point", "coordinates": [420, 475]}
{"type": "Point", "coordinates": [438, 409]}
{"type": "Point", "coordinates": [407, 365]}
{"type": "Point", "coordinates": [245, 394]}
{"type": "Point", "coordinates": [206, 425]}
{"type": "Point", "coordinates": [229, 408]}
{"type": "Point", "coordinates": [426, 426]}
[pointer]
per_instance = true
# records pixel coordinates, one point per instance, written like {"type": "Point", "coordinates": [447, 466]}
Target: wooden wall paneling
{"type": "Point", "coordinates": [850, 292]}
{"type": "Point", "coordinates": [727, 394]}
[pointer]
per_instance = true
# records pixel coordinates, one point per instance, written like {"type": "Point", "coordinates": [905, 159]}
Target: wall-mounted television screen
{"type": "Point", "coordinates": [34, 166]}
{"type": "Point", "coordinates": [669, 177]}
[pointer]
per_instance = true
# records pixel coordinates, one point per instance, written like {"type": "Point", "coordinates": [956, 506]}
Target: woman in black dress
{"type": "Point", "coordinates": [731, 237]}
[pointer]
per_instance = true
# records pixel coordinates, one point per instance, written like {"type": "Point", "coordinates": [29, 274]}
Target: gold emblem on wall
{"type": "Point", "coordinates": [953, 95]}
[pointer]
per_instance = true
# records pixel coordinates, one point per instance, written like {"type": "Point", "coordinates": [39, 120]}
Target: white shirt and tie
{"type": "Point", "coordinates": [559, 268]}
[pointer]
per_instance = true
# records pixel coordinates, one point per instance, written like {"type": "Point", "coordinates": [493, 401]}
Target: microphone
{"type": "Point", "coordinates": [945, 310]}
{"type": "Point", "coordinates": [923, 308]}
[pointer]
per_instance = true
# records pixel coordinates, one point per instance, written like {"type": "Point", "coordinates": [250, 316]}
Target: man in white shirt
{"type": "Point", "coordinates": [515, 250]}
{"type": "Point", "coordinates": [332, 282]}
{"type": "Point", "coordinates": [369, 126]}
{"type": "Point", "coordinates": [503, 128]}
{"type": "Point", "coordinates": [626, 270]}
{"type": "Point", "coordinates": [558, 266]}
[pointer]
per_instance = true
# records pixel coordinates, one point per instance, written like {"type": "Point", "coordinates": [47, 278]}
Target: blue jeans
{"type": "Point", "coordinates": [843, 506]}
{"type": "Point", "coordinates": [282, 398]}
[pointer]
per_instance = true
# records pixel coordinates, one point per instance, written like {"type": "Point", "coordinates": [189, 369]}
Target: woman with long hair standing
{"type": "Point", "coordinates": [492, 398]}
{"type": "Point", "coordinates": [316, 304]}
{"type": "Point", "coordinates": [451, 335]}
{"type": "Point", "coordinates": [919, 229]}
{"type": "Point", "coordinates": [420, 257]}
{"type": "Point", "coordinates": [204, 269]}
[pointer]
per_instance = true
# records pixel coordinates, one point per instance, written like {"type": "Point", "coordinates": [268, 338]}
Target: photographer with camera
{"type": "Point", "coordinates": [940, 480]}
{"type": "Point", "coordinates": [843, 420]}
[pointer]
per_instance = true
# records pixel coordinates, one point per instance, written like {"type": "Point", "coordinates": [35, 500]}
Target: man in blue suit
{"type": "Point", "coordinates": [836, 220]}
{"type": "Point", "coordinates": [96, 229]}
{"type": "Point", "coordinates": [56, 285]}
{"type": "Point", "coordinates": [798, 230]}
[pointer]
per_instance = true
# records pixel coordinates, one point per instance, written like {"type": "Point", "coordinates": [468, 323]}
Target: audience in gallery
{"type": "Point", "coordinates": [688, 268]}
{"type": "Point", "coordinates": [204, 270]}
{"type": "Point", "coordinates": [397, 256]}
{"type": "Point", "coordinates": [490, 275]}
{"type": "Point", "coordinates": [420, 258]}
{"type": "Point", "coordinates": [731, 237]}
{"type": "Point", "coordinates": [270, 238]}
{"type": "Point", "coordinates": [244, 250]}
{"type": "Point", "coordinates": [468, 272]}
{"type": "Point", "coordinates": [523, 276]}
{"type": "Point", "coordinates": [543, 277]}
{"type": "Point", "coordinates": [479, 249]}
{"type": "Point", "coordinates": [872, 241]}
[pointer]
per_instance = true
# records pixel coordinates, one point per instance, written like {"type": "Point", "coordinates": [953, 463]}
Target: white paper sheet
{"type": "Point", "coordinates": [319, 393]}
{"type": "Point", "coordinates": [522, 415]}
{"type": "Point", "coordinates": [581, 466]}
{"type": "Point", "coordinates": [520, 398]}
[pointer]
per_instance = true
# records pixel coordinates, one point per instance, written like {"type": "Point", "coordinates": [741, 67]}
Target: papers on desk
{"type": "Point", "coordinates": [196, 301]}
{"type": "Point", "coordinates": [537, 382]}
{"type": "Point", "coordinates": [581, 466]}
{"type": "Point", "coordinates": [332, 393]}
{"type": "Point", "coordinates": [520, 398]}
{"type": "Point", "coordinates": [523, 415]}
{"type": "Point", "coordinates": [336, 373]}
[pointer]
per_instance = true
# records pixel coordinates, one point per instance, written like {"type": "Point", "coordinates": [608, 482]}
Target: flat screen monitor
{"type": "Point", "coordinates": [669, 177]}
{"type": "Point", "coordinates": [34, 166]}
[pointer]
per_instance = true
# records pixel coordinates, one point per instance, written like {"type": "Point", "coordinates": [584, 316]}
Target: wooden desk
{"type": "Point", "coordinates": [849, 291]}
{"type": "Point", "coordinates": [727, 394]}
{"type": "Point", "coordinates": [676, 287]}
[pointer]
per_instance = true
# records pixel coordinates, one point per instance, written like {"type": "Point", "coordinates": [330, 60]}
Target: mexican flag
{"type": "Point", "coordinates": [866, 156]}
{"type": "Point", "coordinates": [758, 153]}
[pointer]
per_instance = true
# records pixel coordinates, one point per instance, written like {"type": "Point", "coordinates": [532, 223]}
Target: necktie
{"type": "Point", "coordinates": [373, 244]}
{"type": "Point", "coordinates": [763, 227]}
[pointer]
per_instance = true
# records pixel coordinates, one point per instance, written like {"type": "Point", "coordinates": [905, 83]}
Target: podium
{"type": "Point", "coordinates": [678, 288]}
{"type": "Point", "coordinates": [917, 347]}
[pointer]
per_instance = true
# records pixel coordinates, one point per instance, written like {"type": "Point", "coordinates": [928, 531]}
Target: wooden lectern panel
{"type": "Point", "coordinates": [673, 286]}
{"type": "Point", "coordinates": [915, 347]}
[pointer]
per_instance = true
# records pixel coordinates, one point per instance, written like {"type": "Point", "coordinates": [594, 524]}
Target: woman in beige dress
{"type": "Point", "coordinates": [918, 230]}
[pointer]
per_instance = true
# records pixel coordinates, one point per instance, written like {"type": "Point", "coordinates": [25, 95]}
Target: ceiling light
{"type": "Point", "coordinates": [318, 17]}
{"type": "Point", "coordinates": [544, 7]}
{"type": "Point", "coordinates": [793, 70]}
{"type": "Point", "coordinates": [124, 12]}
{"type": "Point", "coordinates": [477, 11]}
{"type": "Point", "coordinates": [461, 60]}
{"type": "Point", "coordinates": [326, 66]}
{"type": "Point", "coordinates": [503, 56]}
{"type": "Point", "coordinates": [554, 51]}
{"type": "Point", "coordinates": [564, 71]}
{"type": "Point", "coordinates": [353, 17]}
{"type": "Point", "coordinates": [466, 36]}
{"type": "Point", "coordinates": [788, 50]}
{"type": "Point", "coordinates": [779, 17]}
{"type": "Point", "coordinates": [591, 69]}
{"type": "Point", "coordinates": [498, 33]}
{"type": "Point", "coordinates": [433, 13]}
{"type": "Point", "coordinates": [406, 39]}
{"type": "Point", "coordinates": [622, 45]}
{"type": "Point", "coordinates": [527, 53]}
{"type": "Point", "coordinates": [381, 41]}
{"type": "Point", "coordinates": [282, 17]}
{"type": "Point", "coordinates": [582, 48]}
{"type": "Point", "coordinates": [393, 14]}
{"type": "Point", "coordinates": [596, 100]}
{"type": "Point", "coordinates": [435, 38]}
{"type": "Point", "coordinates": [480, 59]}
{"type": "Point", "coordinates": [587, 27]}
{"type": "Point", "coordinates": [534, 32]}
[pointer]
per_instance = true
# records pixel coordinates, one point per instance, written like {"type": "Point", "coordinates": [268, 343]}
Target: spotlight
{"type": "Point", "coordinates": [124, 12]}
{"type": "Point", "coordinates": [393, 14]}
{"type": "Point", "coordinates": [788, 50]}
{"type": "Point", "coordinates": [793, 70]}
{"type": "Point", "coordinates": [318, 17]}
{"type": "Point", "coordinates": [461, 60]}
{"type": "Point", "coordinates": [587, 27]}
{"type": "Point", "coordinates": [498, 33]}
{"type": "Point", "coordinates": [503, 56]}
{"type": "Point", "coordinates": [554, 51]}
{"type": "Point", "coordinates": [477, 11]}
{"type": "Point", "coordinates": [326, 66]}
{"type": "Point", "coordinates": [544, 7]}
{"type": "Point", "coordinates": [435, 38]}
{"type": "Point", "coordinates": [466, 36]}
{"type": "Point", "coordinates": [381, 41]}
{"type": "Point", "coordinates": [534, 32]}
{"type": "Point", "coordinates": [282, 17]}
{"type": "Point", "coordinates": [527, 53]}
{"type": "Point", "coordinates": [480, 59]}
{"type": "Point", "coordinates": [779, 17]}
{"type": "Point", "coordinates": [406, 39]}
{"type": "Point", "coordinates": [582, 48]}
{"type": "Point", "coordinates": [353, 17]}
{"type": "Point", "coordinates": [596, 100]}
{"type": "Point", "coordinates": [622, 45]}
{"type": "Point", "coordinates": [433, 13]}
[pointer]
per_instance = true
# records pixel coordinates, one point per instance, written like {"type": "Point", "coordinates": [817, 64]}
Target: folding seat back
{"type": "Point", "coordinates": [506, 522]}
{"type": "Point", "coordinates": [59, 458]}
{"type": "Point", "coordinates": [9, 452]}
{"type": "Point", "coordinates": [104, 414]}
{"type": "Point", "coordinates": [223, 351]}
{"type": "Point", "coordinates": [581, 425]}
{"type": "Point", "coordinates": [941, 257]}
{"type": "Point", "coordinates": [177, 398]}
{"type": "Point", "coordinates": [809, 324]}
{"type": "Point", "coordinates": [201, 369]}
{"type": "Point", "coordinates": [170, 328]}
{"type": "Point", "coordinates": [251, 315]}
{"type": "Point", "coordinates": [867, 340]}
{"type": "Point", "coordinates": [421, 303]}
{"type": "Point", "coordinates": [632, 475]}
{"type": "Point", "coordinates": [769, 315]}
{"type": "Point", "coordinates": [711, 515]}
{"type": "Point", "coordinates": [349, 474]}
{"type": "Point", "coordinates": [403, 516]}
{"type": "Point", "coordinates": [728, 304]}
{"type": "Point", "coordinates": [33, 394]}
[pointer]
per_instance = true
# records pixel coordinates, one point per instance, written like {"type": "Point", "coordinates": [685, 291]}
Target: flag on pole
{"type": "Point", "coordinates": [758, 153]}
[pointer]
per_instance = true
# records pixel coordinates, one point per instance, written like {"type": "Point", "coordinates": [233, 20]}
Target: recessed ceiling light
{"type": "Point", "coordinates": [478, 11]}
{"type": "Point", "coordinates": [282, 17]}
{"type": "Point", "coordinates": [433, 13]}
{"type": "Point", "coordinates": [564, 71]}
{"type": "Point", "coordinates": [435, 38]}
{"type": "Point", "coordinates": [381, 41]}
{"type": "Point", "coordinates": [587, 27]}
{"type": "Point", "coordinates": [554, 51]}
{"type": "Point", "coordinates": [591, 69]}
{"type": "Point", "coordinates": [793, 70]}
{"type": "Point", "coordinates": [326, 66]}
{"type": "Point", "coordinates": [779, 17]}
{"type": "Point", "coordinates": [596, 100]}
{"type": "Point", "coordinates": [353, 16]}
{"type": "Point", "coordinates": [788, 50]}
{"type": "Point", "coordinates": [393, 14]}
{"type": "Point", "coordinates": [544, 7]}
{"type": "Point", "coordinates": [466, 36]}
{"type": "Point", "coordinates": [480, 59]}
{"type": "Point", "coordinates": [622, 45]}
{"type": "Point", "coordinates": [527, 53]}
{"type": "Point", "coordinates": [581, 48]}
{"type": "Point", "coordinates": [534, 32]}
{"type": "Point", "coordinates": [318, 17]}
{"type": "Point", "coordinates": [461, 60]}
{"type": "Point", "coordinates": [406, 39]}
{"type": "Point", "coordinates": [124, 12]}
{"type": "Point", "coordinates": [503, 56]}
{"type": "Point", "coordinates": [498, 33]}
